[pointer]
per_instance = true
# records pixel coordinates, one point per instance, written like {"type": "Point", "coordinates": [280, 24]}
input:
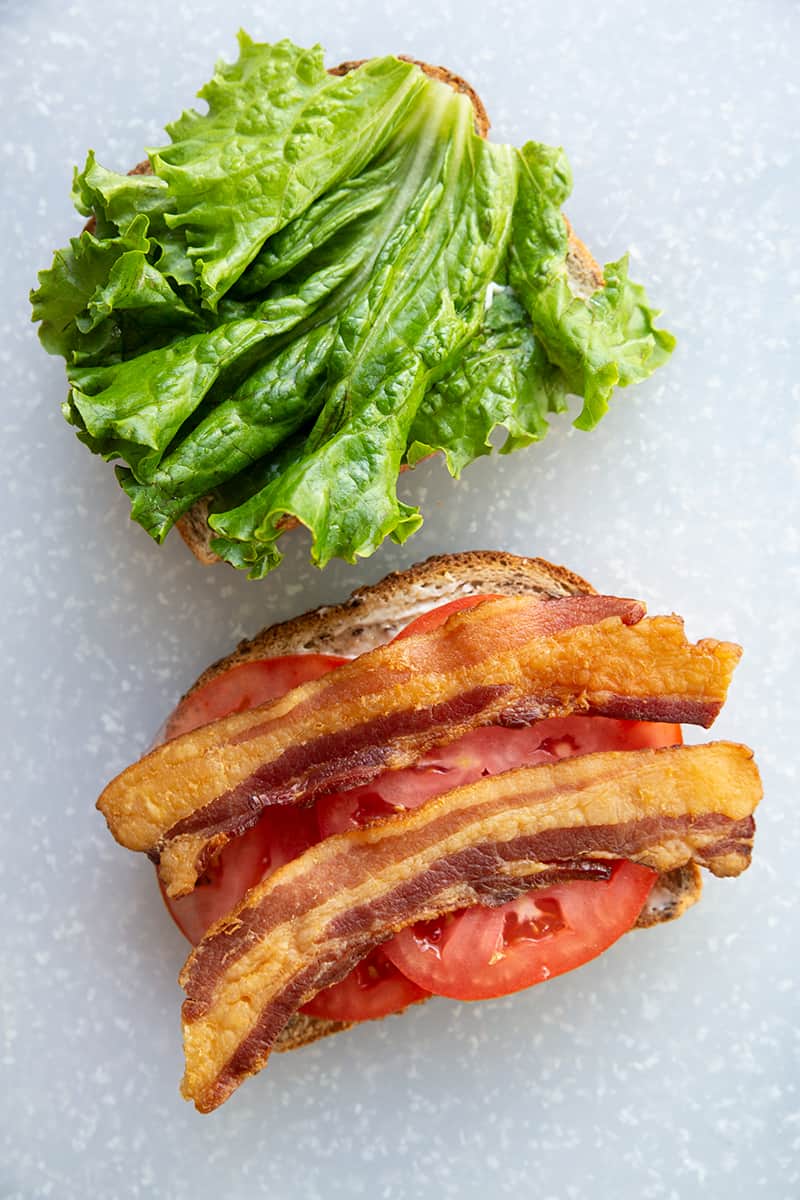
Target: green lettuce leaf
{"type": "Point", "coordinates": [421, 303]}
{"type": "Point", "coordinates": [504, 379]}
{"type": "Point", "coordinates": [278, 133]}
{"type": "Point", "coordinates": [289, 301]}
{"type": "Point", "coordinates": [600, 341]}
{"type": "Point", "coordinates": [79, 273]}
{"type": "Point", "coordinates": [286, 390]}
{"type": "Point", "coordinates": [276, 400]}
{"type": "Point", "coordinates": [343, 208]}
{"type": "Point", "coordinates": [115, 201]}
{"type": "Point", "coordinates": [145, 400]}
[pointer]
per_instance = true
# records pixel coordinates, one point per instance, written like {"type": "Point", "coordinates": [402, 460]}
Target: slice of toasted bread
{"type": "Point", "coordinates": [585, 275]}
{"type": "Point", "coordinates": [372, 616]}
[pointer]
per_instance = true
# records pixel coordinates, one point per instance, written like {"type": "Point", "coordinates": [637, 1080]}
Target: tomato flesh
{"type": "Point", "coordinates": [246, 686]}
{"type": "Point", "coordinates": [483, 952]}
{"type": "Point", "coordinates": [437, 616]}
{"type": "Point", "coordinates": [486, 751]}
{"type": "Point", "coordinates": [374, 988]}
{"type": "Point", "coordinates": [280, 835]}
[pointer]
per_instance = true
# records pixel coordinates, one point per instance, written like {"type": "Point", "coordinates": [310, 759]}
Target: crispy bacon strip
{"type": "Point", "coordinates": [307, 925]}
{"type": "Point", "coordinates": [508, 661]}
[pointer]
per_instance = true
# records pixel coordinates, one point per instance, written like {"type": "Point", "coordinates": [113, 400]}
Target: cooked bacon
{"type": "Point", "coordinates": [307, 925]}
{"type": "Point", "coordinates": [509, 660]}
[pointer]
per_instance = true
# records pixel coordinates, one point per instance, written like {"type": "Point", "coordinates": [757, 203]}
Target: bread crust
{"type": "Point", "coordinates": [374, 614]}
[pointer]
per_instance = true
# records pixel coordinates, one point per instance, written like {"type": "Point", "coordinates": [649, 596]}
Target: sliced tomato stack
{"type": "Point", "coordinates": [469, 955]}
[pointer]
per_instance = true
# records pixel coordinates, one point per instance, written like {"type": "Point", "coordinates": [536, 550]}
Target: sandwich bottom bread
{"type": "Point", "coordinates": [462, 781]}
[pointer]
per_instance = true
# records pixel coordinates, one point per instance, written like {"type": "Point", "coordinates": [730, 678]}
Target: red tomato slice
{"type": "Point", "coordinates": [281, 835]}
{"type": "Point", "coordinates": [485, 751]}
{"type": "Point", "coordinates": [246, 687]}
{"type": "Point", "coordinates": [484, 952]}
{"type": "Point", "coordinates": [373, 989]}
{"type": "Point", "coordinates": [437, 616]}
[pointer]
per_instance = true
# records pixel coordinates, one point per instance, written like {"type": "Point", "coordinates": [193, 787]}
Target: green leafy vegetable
{"type": "Point", "coordinates": [599, 341]}
{"type": "Point", "coordinates": [504, 378]}
{"type": "Point", "coordinates": [291, 302]}
{"type": "Point", "coordinates": [415, 311]}
{"type": "Point", "coordinates": [278, 133]}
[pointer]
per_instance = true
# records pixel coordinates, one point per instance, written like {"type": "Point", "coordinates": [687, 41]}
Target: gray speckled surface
{"type": "Point", "coordinates": [669, 1068]}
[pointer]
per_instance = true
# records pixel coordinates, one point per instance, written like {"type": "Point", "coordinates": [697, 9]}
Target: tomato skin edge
{"type": "Point", "coordinates": [257, 682]}
{"type": "Point", "coordinates": [435, 617]}
{"type": "Point", "coordinates": [466, 978]}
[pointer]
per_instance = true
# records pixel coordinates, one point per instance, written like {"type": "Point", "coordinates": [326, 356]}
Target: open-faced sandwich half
{"type": "Point", "coordinates": [462, 781]}
{"type": "Point", "coordinates": [325, 278]}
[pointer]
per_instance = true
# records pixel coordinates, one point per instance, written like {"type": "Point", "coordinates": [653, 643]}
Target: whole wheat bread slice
{"type": "Point", "coordinates": [585, 275]}
{"type": "Point", "coordinates": [373, 615]}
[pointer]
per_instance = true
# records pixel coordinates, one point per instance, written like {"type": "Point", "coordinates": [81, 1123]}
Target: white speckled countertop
{"type": "Point", "coordinates": [666, 1070]}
